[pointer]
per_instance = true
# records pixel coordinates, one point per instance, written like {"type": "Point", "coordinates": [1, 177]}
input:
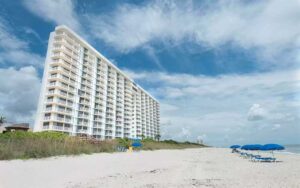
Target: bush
{"type": "Point", "coordinates": [170, 141]}
{"type": "Point", "coordinates": [24, 145]}
{"type": "Point", "coordinates": [150, 144]}
{"type": "Point", "coordinates": [148, 140]}
{"type": "Point", "coordinates": [124, 142]}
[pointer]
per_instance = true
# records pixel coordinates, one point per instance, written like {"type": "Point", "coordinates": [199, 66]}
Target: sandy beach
{"type": "Point", "coordinates": [207, 167]}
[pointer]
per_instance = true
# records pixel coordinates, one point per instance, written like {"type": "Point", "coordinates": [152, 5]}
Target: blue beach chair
{"type": "Point", "coordinates": [265, 159]}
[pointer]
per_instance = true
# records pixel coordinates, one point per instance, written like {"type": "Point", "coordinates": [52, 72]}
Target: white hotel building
{"type": "Point", "coordinates": [83, 93]}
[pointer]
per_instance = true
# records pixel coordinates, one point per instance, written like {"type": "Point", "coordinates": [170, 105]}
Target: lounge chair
{"type": "Point", "coordinates": [243, 154]}
{"type": "Point", "coordinates": [264, 159]}
{"type": "Point", "coordinates": [121, 148]}
{"type": "Point", "coordinates": [253, 157]}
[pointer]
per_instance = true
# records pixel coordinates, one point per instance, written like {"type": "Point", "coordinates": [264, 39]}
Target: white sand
{"type": "Point", "coordinates": [209, 167]}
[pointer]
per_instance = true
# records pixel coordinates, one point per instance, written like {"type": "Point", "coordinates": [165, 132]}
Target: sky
{"type": "Point", "coordinates": [226, 72]}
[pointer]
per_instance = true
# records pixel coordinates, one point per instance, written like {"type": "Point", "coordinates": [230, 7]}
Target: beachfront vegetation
{"type": "Point", "coordinates": [157, 137]}
{"type": "Point", "coordinates": [150, 144]}
{"type": "Point", "coordinates": [2, 120]}
{"type": "Point", "coordinates": [24, 145]}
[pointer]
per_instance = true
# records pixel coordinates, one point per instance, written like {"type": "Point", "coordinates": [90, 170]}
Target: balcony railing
{"type": "Point", "coordinates": [54, 118]}
{"type": "Point", "coordinates": [61, 128]}
{"type": "Point", "coordinates": [82, 130]}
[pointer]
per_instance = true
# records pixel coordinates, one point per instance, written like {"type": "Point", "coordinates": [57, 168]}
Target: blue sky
{"type": "Point", "coordinates": [224, 71]}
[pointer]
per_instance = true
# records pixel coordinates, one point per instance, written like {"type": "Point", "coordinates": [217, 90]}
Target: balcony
{"type": "Point", "coordinates": [84, 109]}
{"type": "Point", "coordinates": [109, 129]}
{"type": "Point", "coordinates": [60, 110]}
{"type": "Point", "coordinates": [82, 131]}
{"type": "Point", "coordinates": [62, 78]}
{"type": "Point", "coordinates": [47, 117]}
{"type": "Point", "coordinates": [83, 116]}
{"type": "Point", "coordinates": [61, 128]}
{"type": "Point", "coordinates": [64, 49]}
{"type": "Point", "coordinates": [60, 94]}
{"type": "Point", "coordinates": [59, 119]}
{"type": "Point", "coordinates": [98, 106]}
{"type": "Point", "coordinates": [60, 40]}
{"type": "Point", "coordinates": [108, 133]}
{"type": "Point", "coordinates": [65, 103]}
{"type": "Point", "coordinates": [97, 133]}
{"type": "Point", "coordinates": [64, 56]}
{"type": "Point", "coordinates": [99, 100]}
{"type": "Point", "coordinates": [110, 105]}
{"type": "Point", "coordinates": [85, 95]}
{"type": "Point", "coordinates": [110, 101]}
{"type": "Point", "coordinates": [66, 64]}
{"type": "Point", "coordinates": [98, 119]}
{"type": "Point", "coordinates": [84, 102]}
{"type": "Point", "coordinates": [98, 112]}
{"type": "Point", "coordinates": [48, 109]}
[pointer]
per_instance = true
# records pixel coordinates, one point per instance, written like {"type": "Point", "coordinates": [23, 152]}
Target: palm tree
{"type": "Point", "coordinates": [157, 137]}
{"type": "Point", "coordinates": [143, 136]}
{"type": "Point", "coordinates": [2, 120]}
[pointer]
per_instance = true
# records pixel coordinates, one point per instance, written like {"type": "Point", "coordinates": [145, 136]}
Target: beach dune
{"type": "Point", "coordinates": [204, 167]}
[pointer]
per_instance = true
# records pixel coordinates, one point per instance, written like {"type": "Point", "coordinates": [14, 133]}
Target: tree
{"type": "Point", "coordinates": [143, 136]}
{"type": "Point", "coordinates": [2, 120]}
{"type": "Point", "coordinates": [157, 137]}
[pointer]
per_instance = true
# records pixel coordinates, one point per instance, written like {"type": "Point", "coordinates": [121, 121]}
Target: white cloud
{"type": "Point", "coordinates": [131, 26]}
{"type": "Point", "coordinates": [151, 53]}
{"type": "Point", "coordinates": [256, 112]}
{"type": "Point", "coordinates": [20, 88]}
{"type": "Point", "coordinates": [276, 126]}
{"type": "Point", "coordinates": [15, 50]}
{"type": "Point", "coordinates": [218, 107]}
{"type": "Point", "coordinates": [19, 93]}
{"type": "Point", "coordinates": [247, 25]}
{"type": "Point", "coordinates": [185, 133]}
{"type": "Point", "coordinates": [201, 138]}
{"type": "Point", "coordinates": [168, 107]}
{"type": "Point", "coordinates": [57, 11]}
{"type": "Point", "coordinates": [7, 40]}
{"type": "Point", "coordinates": [32, 32]}
{"type": "Point", "coordinates": [21, 57]}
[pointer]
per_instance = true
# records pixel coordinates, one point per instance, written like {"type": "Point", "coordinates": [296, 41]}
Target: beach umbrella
{"type": "Point", "coordinates": [235, 146]}
{"type": "Point", "coordinates": [272, 147]}
{"type": "Point", "coordinates": [136, 144]}
{"type": "Point", "coordinates": [252, 147]}
{"type": "Point", "coordinates": [255, 147]}
{"type": "Point", "coordinates": [246, 147]}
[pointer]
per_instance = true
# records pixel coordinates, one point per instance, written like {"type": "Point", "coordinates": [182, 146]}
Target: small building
{"type": "Point", "coordinates": [17, 127]}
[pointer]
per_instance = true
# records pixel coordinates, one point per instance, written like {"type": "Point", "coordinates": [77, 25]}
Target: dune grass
{"type": "Point", "coordinates": [25, 145]}
{"type": "Point", "coordinates": [149, 144]}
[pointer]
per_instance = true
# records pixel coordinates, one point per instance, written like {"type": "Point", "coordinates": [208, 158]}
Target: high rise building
{"type": "Point", "coordinates": [83, 93]}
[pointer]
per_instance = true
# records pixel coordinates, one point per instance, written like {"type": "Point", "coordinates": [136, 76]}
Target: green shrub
{"type": "Point", "coordinates": [170, 141]}
{"type": "Point", "coordinates": [124, 142]}
{"type": "Point", "coordinates": [24, 145]}
{"type": "Point", "coordinates": [148, 140]}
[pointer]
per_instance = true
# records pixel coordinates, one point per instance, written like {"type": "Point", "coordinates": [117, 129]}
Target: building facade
{"type": "Point", "coordinates": [83, 93]}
